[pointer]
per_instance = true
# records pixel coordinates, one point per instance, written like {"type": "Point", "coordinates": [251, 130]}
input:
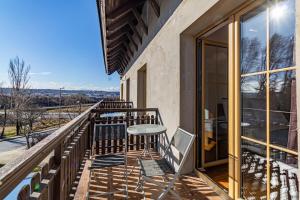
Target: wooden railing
{"type": "Point", "coordinates": [52, 163]}
{"type": "Point", "coordinates": [130, 116]}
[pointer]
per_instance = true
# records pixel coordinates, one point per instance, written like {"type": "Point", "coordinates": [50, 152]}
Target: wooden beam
{"type": "Point", "coordinates": [116, 34]}
{"type": "Point", "coordinates": [115, 62]}
{"type": "Point", "coordinates": [124, 63]}
{"type": "Point", "coordinates": [112, 66]}
{"type": "Point", "coordinates": [132, 41]}
{"type": "Point", "coordinates": [125, 58]}
{"type": "Point", "coordinates": [119, 70]}
{"type": "Point", "coordinates": [115, 47]}
{"type": "Point", "coordinates": [129, 55]}
{"type": "Point", "coordinates": [113, 43]}
{"type": "Point", "coordinates": [128, 58]}
{"type": "Point", "coordinates": [130, 51]}
{"type": "Point", "coordinates": [124, 9]}
{"type": "Point", "coordinates": [133, 28]}
{"type": "Point", "coordinates": [122, 66]}
{"type": "Point", "coordinates": [114, 53]}
{"type": "Point", "coordinates": [140, 20]}
{"type": "Point", "coordinates": [113, 58]}
{"type": "Point", "coordinates": [118, 24]}
{"type": "Point", "coordinates": [155, 7]}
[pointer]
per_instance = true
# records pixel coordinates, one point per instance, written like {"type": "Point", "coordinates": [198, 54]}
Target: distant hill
{"type": "Point", "coordinates": [55, 93]}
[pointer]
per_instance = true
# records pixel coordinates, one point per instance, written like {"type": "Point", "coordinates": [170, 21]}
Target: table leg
{"type": "Point", "coordinates": [146, 150]}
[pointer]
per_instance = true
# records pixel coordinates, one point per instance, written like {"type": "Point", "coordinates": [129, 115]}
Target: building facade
{"type": "Point", "coordinates": [225, 70]}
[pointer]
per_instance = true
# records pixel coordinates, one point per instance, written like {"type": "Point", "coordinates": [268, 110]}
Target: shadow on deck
{"type": "Point", "coordinates": [188, 187]}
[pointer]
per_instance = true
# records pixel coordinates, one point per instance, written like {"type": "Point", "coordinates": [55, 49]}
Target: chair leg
{"type": "Point", "coordinates": [175, 194]}
{"type": "Point", "coordinates": [143, 189]}
{"type": "Point", "coordinates": [162, 195]}
{"type": "Point", "coordinates": [170, 188]}
{"type": "Point", "coordinates": [138, 185]}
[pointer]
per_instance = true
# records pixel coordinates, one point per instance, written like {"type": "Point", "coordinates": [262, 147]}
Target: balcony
{"type": "Point", "coordinates": [58, 166]}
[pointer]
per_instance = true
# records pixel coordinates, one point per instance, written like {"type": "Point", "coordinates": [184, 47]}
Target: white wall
{"type": "Point", "coordinates": [298, 75]}
{"type": "Point", "coordinates": [162, 56]}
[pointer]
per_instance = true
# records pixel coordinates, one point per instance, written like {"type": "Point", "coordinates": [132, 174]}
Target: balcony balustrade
{"type": "Point", "coordinates": [57, 168]}
{"type": "Point", "coordinates": [52, 164]}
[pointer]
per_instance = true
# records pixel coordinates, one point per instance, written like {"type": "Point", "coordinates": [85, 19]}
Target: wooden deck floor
{"type": "Point", "coordinates": [188, 187]}
{"type": "Point", "coordinates": [219, 174]}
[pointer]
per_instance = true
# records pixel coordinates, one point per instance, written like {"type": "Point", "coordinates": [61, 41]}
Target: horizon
{"type": "Point", "coordinates": [112, 91]}
{"type": "Point", "coordinates": [61, 44]}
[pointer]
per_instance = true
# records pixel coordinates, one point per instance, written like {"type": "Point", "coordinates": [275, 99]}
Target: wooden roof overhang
{"type": "Point", "coordinates": [120, 35]}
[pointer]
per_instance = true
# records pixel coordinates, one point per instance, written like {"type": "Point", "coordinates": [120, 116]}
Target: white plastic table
{"type": "Point", "coordinates": [146, 130]}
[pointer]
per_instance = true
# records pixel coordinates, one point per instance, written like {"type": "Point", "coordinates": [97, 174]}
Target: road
{"type": "Point", "coordinates": [12, 144]}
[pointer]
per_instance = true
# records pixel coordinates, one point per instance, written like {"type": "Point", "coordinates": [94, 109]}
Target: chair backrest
{"type": "Point", "coordinates": [182, 141]}
{"type": "Point", "coordinates": [112, 132]}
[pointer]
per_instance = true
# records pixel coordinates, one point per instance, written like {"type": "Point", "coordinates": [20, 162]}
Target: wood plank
{"type": "Point", "coordinates": [132, 41]}
{"type": "Point", "coordinates": [140, 20]}
{"type": "Point", "coordinates": [188, 186]}
{"type": "Point", "coordinates": [123, 9]}
{"type": "Point", "coordinates": [155, 7]}
{"type": "Point", "coordinates": [133, 28]}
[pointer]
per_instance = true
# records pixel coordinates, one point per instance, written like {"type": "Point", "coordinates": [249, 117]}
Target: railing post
{"type": "Point", "coordinates": [59, 178]}
{"type": "Point", "coordinates": [91, 131]}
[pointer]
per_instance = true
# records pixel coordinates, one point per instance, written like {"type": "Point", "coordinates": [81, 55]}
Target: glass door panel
{"type": "Point", "coordinates": [269, 133]}
{"type": "Point", "coordinates": [215, 134]}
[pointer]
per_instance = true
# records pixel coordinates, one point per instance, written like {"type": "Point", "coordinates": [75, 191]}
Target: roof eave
{"type": "Point", "coordinates": [101, 16]}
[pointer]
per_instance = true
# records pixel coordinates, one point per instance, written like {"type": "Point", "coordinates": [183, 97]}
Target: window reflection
{"type": "Point", "coordinates": [282, 102]}
{"type": "Point", "coordinates": [253, 170]}
{"type": "Point", "coordinates": [283, 176]}
{"type": "Point", "coordinates": [283, 109]}
{"type": "Point", "coordinates": [282, 34]}
{"type": "Point", "coordinates": [253, 106]}
{"type": "Point", "coordinates": [253, 41]}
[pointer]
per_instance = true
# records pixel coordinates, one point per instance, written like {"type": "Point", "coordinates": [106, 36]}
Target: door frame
{"type": "Point", "coordinates": [234, 134]}
{"type": "Point", "coordinates": [233, 105]}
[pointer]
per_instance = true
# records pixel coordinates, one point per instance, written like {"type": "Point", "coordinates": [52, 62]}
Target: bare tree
{"type": "Point", "coordinates": [28, 118]}
{"type": "Point", "coordinates": [19, 77]}
{"type": "Point", "coordinates": [4, 101]}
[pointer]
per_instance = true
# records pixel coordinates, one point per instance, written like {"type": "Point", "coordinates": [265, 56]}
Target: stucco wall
{"type": "Point", "coordinates": [162, 56]}
{"type": "Point", "coordinates": [170, 59]}
{"type": "Point", "coordinates": [298, 74]}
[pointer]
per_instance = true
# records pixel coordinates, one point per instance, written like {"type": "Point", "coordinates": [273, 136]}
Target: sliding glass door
{"type": "Point", "coordinates": [259, 113]}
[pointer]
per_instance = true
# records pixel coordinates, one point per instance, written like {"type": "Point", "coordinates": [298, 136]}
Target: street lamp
{"type": "Point", "coordinates": [59, 105]}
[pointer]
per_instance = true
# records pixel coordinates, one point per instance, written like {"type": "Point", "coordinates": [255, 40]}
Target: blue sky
{"type": "Point", "coordinates": [60, 39]}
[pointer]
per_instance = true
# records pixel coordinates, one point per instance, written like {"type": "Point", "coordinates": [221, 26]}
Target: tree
{"type": "Point", "coordinates": [19, 77]}
{"type": "Point", "coordinates": [4, 102]}
{"type": "Point", "coordinates": [28, 118]}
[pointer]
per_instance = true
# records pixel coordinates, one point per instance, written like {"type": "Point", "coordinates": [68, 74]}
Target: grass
{"type": "Point", "coordinates": [10, 131]}
{"type": "Point", "coordinates": [71, 110]}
